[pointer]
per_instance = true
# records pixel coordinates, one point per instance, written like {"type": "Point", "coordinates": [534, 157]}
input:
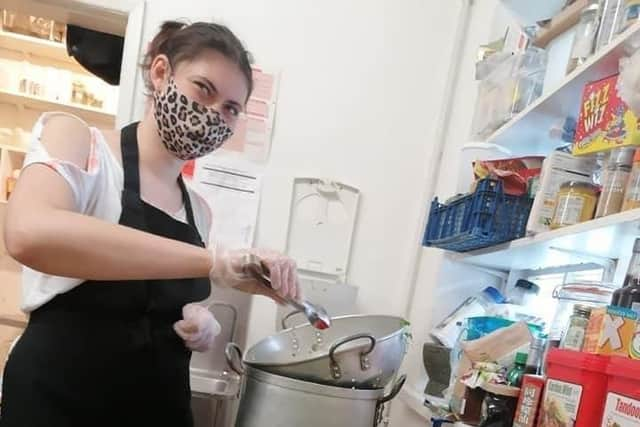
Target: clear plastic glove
{"type": "Point", "coordinates": [629, 82]}
{"type": "Point", "coordinates": [198, 327]}
{"type": "Point", "coordinates": [229, 269]}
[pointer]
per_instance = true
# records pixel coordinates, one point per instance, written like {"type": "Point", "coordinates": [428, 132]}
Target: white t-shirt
{"type": "Point", "coordinates": [97, 192]}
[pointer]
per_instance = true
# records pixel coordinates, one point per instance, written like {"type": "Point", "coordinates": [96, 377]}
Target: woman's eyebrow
{"type": "Point", "coordinates": [208, 82]}
{"type": "Point", "coordinates": [236, 104]}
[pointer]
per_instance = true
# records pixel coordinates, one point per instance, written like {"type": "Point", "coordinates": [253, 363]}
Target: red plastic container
{"type": "Point", "coordinates": [575, 389]}
{"type": "Point", "coordinates": [622, 406]}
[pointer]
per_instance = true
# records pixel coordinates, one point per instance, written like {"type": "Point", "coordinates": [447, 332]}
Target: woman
{"type": "Point", "coordinates": [113, 348]}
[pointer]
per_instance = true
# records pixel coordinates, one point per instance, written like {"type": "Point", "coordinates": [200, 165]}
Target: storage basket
{"type": "Point", "coordinates": [485, 218]}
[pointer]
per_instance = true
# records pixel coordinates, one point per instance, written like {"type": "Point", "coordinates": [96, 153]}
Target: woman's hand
{"type": "Point", "coordinates": [230, 269]}
{"type": "Point", "coordinates": [198, 327]}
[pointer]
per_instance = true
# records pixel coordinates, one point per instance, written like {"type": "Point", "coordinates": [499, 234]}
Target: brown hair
{"type": "Point", "coordinates": [184, 42]}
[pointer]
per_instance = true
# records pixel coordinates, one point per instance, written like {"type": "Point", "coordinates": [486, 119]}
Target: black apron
{"type": "Point", "coordinates": [105, 353]}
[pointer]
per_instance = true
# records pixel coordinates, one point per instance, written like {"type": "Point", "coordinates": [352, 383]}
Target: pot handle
{"type": "Point", "coordinates": [336, 371]}
{"type": "Point", "coordinates": [283, 322]}
{"type": "Point", "coordinates": [395, 390]}
{"type": "Point", "coordinates": [233, 354]}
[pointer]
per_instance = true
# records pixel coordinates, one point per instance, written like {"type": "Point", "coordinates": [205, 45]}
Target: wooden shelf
{"type": "Point", "coordinates": [89, 114]}
{"type": "Point", "coordinates": [40, 48]}
{"type": "Point", "coordinates": [610, 238]}
{"type": "Point", "coordinates": [528, 132]}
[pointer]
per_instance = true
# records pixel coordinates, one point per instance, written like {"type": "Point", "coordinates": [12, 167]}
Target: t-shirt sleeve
{"type": "Point", "coordinates": [83, 183]}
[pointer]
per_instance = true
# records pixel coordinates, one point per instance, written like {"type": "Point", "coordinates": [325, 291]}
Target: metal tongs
{"type": "Point", "coordinates": [315, 314]}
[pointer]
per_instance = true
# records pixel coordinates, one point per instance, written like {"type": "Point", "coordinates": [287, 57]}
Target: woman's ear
{"type": "Point", "coordinates": [159, 72]}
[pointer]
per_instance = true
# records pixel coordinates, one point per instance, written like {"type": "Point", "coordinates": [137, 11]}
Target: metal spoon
{"type": "Point", "coordinates": [315, 314]}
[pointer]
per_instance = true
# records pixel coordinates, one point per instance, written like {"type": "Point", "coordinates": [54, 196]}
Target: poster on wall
{"type": "Point", "coordinates": [254, 130]}
{"type": "Point", "coordinates": [231, 186]}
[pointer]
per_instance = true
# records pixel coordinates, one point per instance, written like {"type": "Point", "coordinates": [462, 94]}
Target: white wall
{"type": "Point", "coordinates": [361, 88]}
{"type": "Point", "coordinates": [443, 284]}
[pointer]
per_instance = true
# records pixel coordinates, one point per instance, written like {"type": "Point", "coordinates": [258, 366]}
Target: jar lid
{"type": "Point", "coordinates": [584, 310]}
{"type": "Point", "coordinates": [621, 157]}
{"type": "Point", "coordinates": [579, 185]}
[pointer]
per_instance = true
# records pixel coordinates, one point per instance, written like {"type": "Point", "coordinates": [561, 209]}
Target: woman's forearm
{"type": "Point", "coordinates": [69, 244]}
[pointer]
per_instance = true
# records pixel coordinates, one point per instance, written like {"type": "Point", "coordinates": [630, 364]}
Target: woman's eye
{"type": "Point", "coordinates": [204, 88]}
{"type": "Point", "coordinates": [233, 111]}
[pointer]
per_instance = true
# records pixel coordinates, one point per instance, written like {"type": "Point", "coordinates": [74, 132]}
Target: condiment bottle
{"type": "Point", "coordinates": [584, 41]}
{"type": "Point", "coordinates": [629, 296]}
{"type": "Point", "coordinates": [615, 181]}
{"type": "Point", "coordinates": [536, 352]}
{"type": "Point", "coordinates": [514, 377]}
{"type": "Point", "coordinates": [632, 192]}
{"type": "Point", "coordinates": [633, 271]}
{"type": "Point", "coordinates": [574, 338]}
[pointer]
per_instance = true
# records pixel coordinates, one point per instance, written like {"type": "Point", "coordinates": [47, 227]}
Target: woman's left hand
{"type": "Point", "coordinates": [198, 327]}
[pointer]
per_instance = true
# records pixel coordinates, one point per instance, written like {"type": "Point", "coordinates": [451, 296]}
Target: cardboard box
{"type": "Point", "coordinates": [557, 169]}
{"type": "Point", "coordinates": [605, 122]}
{"type": "Point", "coordinates": [499, 346]}
{"type": "Point", "coordinates": [610, 331]}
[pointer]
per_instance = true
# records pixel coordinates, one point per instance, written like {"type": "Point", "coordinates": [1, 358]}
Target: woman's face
{"type": "Point", "coordinates": [210, 79]}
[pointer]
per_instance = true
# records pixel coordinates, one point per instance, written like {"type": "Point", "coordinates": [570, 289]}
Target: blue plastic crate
{"type": "Point", "coordinates": [485, 218]}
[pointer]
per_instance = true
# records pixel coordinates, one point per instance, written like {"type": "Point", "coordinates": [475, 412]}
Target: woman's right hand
{"type": "Point", "coordinates": [230, 270]}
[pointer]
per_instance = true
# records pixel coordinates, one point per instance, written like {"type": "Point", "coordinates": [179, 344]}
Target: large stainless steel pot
{"type": "Point", "coordinates": [359, 351]}
{"type": "Point", "coordinates": [276, 401]}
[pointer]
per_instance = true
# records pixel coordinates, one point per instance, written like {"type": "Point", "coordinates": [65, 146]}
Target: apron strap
{"type": "Point", "coordinates": [129, 149]}
{"type": "Point", "coordinates": [187, 203]}
{"type": "Point", "coordinates": [130, 165]}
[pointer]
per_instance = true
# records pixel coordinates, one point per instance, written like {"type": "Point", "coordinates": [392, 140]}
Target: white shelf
{"type": "Point", "coordinates": [528, 132]}
{"type": "Point", "coordinates": [40, 48]}
{"type": "Point", "coordinates": [610, 237]}
{"type": "Point", "coordinates": [90, 114]}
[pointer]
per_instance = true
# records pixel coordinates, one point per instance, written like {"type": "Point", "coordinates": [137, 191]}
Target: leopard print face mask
{"type": "Point", "coordinates": [187, 128]}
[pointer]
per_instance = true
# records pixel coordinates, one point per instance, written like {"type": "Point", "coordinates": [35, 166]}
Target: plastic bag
{"type": "Point", "coordinates": [629, 82]}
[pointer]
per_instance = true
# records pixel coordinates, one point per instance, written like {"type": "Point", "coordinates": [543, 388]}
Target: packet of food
{"type": "Point", "coordinates": [514, 173]}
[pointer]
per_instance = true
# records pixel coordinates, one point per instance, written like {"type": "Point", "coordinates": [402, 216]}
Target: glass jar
{"type": "Point", "coordinates": [632, 192]}
{"type": "Point", "coordinates": [594, 294]}
{"type": "Point", "coordinates": [578, 322]}
{"type": "Point", "coordinates": [584, 41]}
{"type": "Point", "coordinates": [611, 12]}
{"type": "Point", "coordinates": [615, 180]}
{"type": "Point", "coordinates": [575, 203]}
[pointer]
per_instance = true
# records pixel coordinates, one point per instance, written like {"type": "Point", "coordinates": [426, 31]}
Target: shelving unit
{"type": "Point", "coordinates": [610, 237]}
{"type": "Point", "coordinates": [528, 132]}
{"type": "Point", "coordinates": [40, 48]}
{"type": "Point", "coordinates": [89, 114]}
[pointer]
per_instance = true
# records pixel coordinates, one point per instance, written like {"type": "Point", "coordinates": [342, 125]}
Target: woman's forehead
{"type": "Point", "coordinates": [223, 73]}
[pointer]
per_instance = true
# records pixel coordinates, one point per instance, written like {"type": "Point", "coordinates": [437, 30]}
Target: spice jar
{"type": "Point", "coordinates": [578, 322]}
{"type": "Point", "coordinates": [614, 184]}
{"type": "Point", "coordinates": [632, 192]}
{"type": "Point", "coordinates": [584, 41]}
{"type": "Point", "coordinates": [575, 203]}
